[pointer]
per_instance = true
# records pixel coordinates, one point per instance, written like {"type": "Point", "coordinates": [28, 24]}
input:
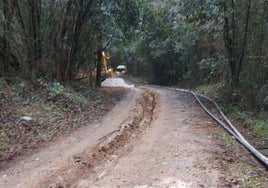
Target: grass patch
{"type": "Point", "coordinates": [247, 176]}
{"type": "Point", "coordinates": [260, 129]}
{"type": "Point", "coordinates": [256, 123]}
{"type": "Point", "coordinates": [226, 139]}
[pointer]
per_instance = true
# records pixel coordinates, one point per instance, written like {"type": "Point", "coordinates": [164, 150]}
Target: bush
{"type": "Point", "coordinates": [55, 90]}
{"type": "Point", "coordinates": [212, 70]}
{"type": "Point", "coordinates": [253, 87]}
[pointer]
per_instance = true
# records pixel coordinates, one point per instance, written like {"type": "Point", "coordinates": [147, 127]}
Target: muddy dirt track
{"type": "Point", "coordinates": [155, 137]}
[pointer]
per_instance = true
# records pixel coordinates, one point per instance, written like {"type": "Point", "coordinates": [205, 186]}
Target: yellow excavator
{"type": "Point", "coordinates": [106, 69]}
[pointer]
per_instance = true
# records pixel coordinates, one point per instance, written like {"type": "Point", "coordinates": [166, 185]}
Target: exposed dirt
{"type": "Point", "coordinates": [50, 118]}
{"type": "Point", "coordinates": [155, 137]}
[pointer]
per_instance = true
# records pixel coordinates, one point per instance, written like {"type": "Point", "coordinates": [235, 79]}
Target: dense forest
{"type": "Point", "coordinates": [166, 42]}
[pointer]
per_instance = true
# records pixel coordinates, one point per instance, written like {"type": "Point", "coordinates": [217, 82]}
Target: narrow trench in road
{"type": "Point", "coordinates": [95, 160]}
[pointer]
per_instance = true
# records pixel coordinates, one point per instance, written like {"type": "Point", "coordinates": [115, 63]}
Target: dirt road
{"type": "Point", "coordinates": [155, 137]}
{"type": "Point", "coordinates": [175, 151]}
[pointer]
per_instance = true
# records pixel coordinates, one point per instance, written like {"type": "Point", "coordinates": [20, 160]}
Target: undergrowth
{"type": "Point", "coordinates": [253, 126]}
{"type": "Point", "coordinates": [31, 115]}
{"type": "Point", "coordinates": [226, 139]}
{"type": "Point", "coordinates": [255, 122]}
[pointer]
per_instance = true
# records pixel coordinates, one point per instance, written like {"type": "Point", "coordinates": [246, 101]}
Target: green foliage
{"type": "Point", "coordinates": [212, 70]}
{"type": "Point", "coordinates": [248, 176]}
{"type": "Point", "coordinates": [253, 87]}
{"type": "Point", "coordinates": [78, 96]}
{"type": "Point", "coordinates": [164, 42]}
{"type": "Point", "coordinates": [261, 129]}
{"type": "Point", "coordinates": [227, 139]}
{"type": "Point", "coordinates": [55, 90]}
{"type": "Point", "coordinates": [16, 89]}
{"type": "Point", "coordinates": [256, 123]}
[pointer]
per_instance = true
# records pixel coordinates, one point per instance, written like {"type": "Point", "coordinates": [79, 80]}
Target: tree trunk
{"type": "Point", "coordinates": [244, 43]}
{"type": "Point", "coordinates": [235, 47]}
{"type": "Point", "coordinates": [98, 75]}
{"type": "Point", "coordinates": [5, 37]}
{"type": "Point", "coordinates": [34, 43]}
{"type": "Point", "coordinates": [58, 34]}
{"type": "Point", "coordinates": [73, 41]}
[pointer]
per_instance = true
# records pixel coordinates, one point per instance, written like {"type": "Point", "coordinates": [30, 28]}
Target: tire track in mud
{"type": "Point", "coordinates": [87, 167]}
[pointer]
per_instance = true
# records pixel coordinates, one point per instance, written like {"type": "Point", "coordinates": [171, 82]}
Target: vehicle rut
{"type": "Point", "coordinates": [94, 160]}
